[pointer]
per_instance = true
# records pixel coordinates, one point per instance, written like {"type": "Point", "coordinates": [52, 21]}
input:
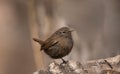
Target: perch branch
{"type": "Point", "coordinates": [101, 66]}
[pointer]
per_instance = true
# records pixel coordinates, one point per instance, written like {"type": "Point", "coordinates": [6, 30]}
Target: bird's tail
{"type": "Point", "coordinates": [39, 41]}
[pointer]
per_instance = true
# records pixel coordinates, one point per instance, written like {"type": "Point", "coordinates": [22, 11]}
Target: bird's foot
{"type": "Point", "coordinates": [64, 61]}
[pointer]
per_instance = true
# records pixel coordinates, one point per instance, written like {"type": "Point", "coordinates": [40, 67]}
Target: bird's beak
{"type": "Point", "coordinates": [72, 30]}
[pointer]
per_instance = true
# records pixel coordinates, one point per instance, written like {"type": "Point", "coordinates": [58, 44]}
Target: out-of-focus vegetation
{"type": "Point", "coordinates": [96, 23]}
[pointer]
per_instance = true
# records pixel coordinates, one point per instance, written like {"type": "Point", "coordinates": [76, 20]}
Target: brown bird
{"type": "Point", "coordinates": [59, 44]}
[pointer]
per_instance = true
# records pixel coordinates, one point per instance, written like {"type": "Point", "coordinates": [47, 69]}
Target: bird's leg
{"type": "Point", "coordinates": [64, 62]}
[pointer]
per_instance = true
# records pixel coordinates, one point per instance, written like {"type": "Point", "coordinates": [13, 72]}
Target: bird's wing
{"type": "Point", "coordinates": [49, 44]}
{"type": "Point", "coordinates": [51, 41]}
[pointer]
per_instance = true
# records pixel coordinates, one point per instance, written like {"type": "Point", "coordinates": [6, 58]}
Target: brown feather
{"type": "Point", "coordinates": [39, 41]}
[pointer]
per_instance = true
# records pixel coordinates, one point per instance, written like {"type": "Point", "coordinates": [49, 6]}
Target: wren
{"type": "Point", "coordinates": [59, 44]}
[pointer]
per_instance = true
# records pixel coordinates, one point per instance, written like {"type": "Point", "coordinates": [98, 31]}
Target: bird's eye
{"type": "Point", "coordinates": [64, 32]}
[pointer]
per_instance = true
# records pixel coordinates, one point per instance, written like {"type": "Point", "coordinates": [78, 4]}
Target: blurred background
{"type": "Point", "coordinates": [96, 24]}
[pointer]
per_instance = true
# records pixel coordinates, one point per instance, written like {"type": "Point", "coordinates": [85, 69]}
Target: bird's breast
{"type": "Point", "coordinates": [61, 49]}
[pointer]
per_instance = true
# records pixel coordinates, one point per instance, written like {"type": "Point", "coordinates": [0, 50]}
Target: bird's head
{"type": "Point", "coordinates": [64, 31]}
